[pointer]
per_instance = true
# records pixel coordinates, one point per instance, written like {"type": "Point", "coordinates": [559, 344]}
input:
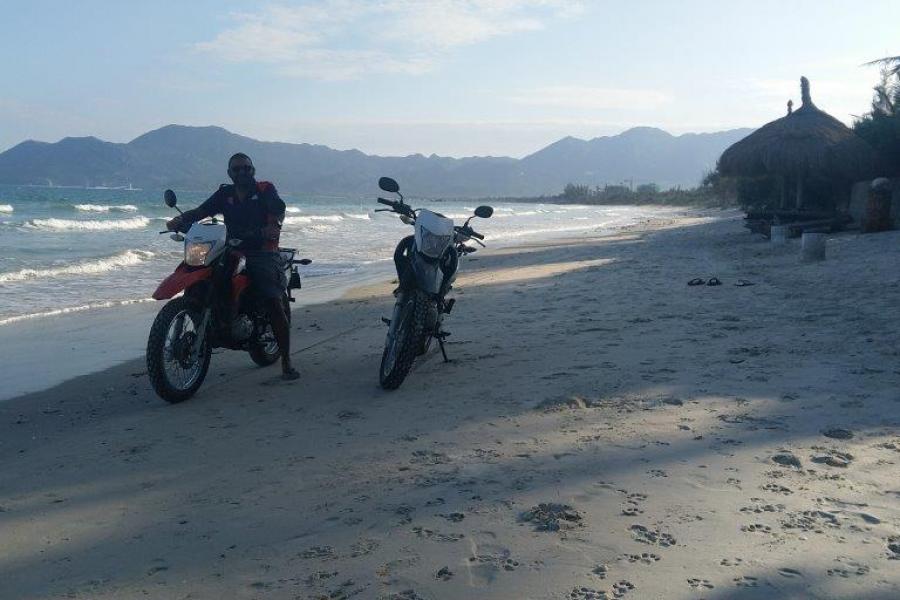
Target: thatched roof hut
{"type": "Point", "coordinates": [807, 142]}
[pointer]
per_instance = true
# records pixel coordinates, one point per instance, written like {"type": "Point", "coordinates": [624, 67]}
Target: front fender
{"type": "Point", "coordinates": [183, 278]}
{"type": "Point", "coordinates": [429, 275]}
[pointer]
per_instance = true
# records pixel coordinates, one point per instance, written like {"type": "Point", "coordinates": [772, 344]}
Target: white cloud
{"type": "Point", "coordinates": [345, 39]}
{"type": "Point", "coordinates": [592, 98]}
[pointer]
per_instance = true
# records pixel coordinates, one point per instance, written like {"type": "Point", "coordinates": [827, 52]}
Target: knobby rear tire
{"type": "Point", "coordinates": [156, 347]}
{"type": "Point", "coordinates": [409, 346]}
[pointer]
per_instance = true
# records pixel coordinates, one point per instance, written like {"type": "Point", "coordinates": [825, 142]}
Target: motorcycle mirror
{"type": "Point", "coordinates": [304, 261]}
{"type": "Point", "coordinates": [484, 212]}
{"type": "Point", "coordinates": [170, 199]}
{"type": "Point", "coordinates": [389, 185]}
{"type": "Point", "coordinates": [176, 237]}
{"type": "Point", "coordinates": [406, 220]}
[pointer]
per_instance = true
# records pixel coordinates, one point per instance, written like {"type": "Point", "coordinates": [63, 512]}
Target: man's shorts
{"type": "Point", "coordinates": [267, 274]}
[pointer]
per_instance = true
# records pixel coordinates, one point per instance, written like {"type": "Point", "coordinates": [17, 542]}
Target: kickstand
{"type": "Point", "coordinates": [443, 350]}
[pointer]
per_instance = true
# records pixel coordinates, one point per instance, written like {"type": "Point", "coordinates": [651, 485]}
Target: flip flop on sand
{"type": "Point", "coordinates": [743, 283]}
{"type": "Point", "coordinates": [714, 281]}
{"type": "Point", "coordinates": [697, 281]}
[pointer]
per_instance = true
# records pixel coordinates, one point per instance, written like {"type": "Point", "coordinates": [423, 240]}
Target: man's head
{"type": "Point", "coordinates": [241, 171]}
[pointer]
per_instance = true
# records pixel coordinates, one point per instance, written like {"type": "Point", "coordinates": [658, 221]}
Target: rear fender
{"type": "Point", "coordinates": [182, 279]}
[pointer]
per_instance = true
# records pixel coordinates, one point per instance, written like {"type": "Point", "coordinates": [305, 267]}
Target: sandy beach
{"type": "Point", "coordinates": [602, 431]}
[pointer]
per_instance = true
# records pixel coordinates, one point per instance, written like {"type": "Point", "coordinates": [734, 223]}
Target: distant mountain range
{"type": "Point", "coordinates": [194, 158]}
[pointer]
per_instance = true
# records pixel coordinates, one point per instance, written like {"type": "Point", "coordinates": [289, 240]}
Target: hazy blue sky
{"type": "Point", "coordinates": [451, 77]}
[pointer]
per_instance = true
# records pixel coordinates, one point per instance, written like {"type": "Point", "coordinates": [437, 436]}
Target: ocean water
{"type": "Point", "coordinates": [66, 249]}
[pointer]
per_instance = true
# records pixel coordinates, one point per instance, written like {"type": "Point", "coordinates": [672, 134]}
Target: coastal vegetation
{"type": "Point", "coordinates": [881, 125]}
{"type": "Point", "coordinates": [714, 192]}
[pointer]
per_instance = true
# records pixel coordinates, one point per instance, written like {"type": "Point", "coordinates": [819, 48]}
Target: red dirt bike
{"type": "Point", "coordinates": [216, 310]}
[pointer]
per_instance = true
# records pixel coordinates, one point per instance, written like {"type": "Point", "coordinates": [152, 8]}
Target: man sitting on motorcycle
{"type": "Point", "coordinates": [253, 213]}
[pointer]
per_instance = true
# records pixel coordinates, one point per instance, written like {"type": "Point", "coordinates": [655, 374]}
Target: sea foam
{"type": "Point", "coordinates": [89, 225]}
{"type": "Point", "coordinates": [102, 208]}
{"type": "Point", "coordinates": [89, 267]}
{"type": "Point", "coordinates": [6, 208]}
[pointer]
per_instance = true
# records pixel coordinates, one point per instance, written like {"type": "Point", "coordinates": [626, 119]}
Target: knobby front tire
{"type": "Point", "coordinates": [157, 358]}
{"type": "Point", "coordinates": [407, 341]}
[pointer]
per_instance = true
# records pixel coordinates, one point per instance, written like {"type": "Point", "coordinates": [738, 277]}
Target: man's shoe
{"type": "Point", "coordinates": [290, 374]}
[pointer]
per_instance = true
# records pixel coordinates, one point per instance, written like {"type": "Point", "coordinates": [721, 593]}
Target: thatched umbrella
{"type": "Point", "coordinates": [806, 142]}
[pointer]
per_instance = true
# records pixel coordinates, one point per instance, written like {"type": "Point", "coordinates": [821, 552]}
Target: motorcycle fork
{"type": "Point", "coordinates": [441, 308]}
{"type": "Point", "coordinates": [204, 322]}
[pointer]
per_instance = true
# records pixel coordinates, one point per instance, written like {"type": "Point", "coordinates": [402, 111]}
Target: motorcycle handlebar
{"type": "Point", "coordinates": [469, 232]}
{"type": "Point", "coordinates": [386, 201]}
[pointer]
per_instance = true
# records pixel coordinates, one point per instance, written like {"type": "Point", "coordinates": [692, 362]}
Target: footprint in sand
{"type": "Point", "coordinates": [631, 507]}
{"type": "Point", "coordinates": [647, 558]}
{"type": "Point", "coordinates": [854, 568]}
{"type": "Point", "coordinates": [832, 457]}
{"type": "Point", "coordinates": [778, 489]}
{"type": "Point", "coordinates": [787, 572]}
{"type": "Point", "coordinates": [621, 588]}
{"type": "Point", "coordinates": [759, 506]}
{"type": "Point", "coordinates": [893, 547]}
{"type": "Point", "coordinates": [654, 537]}
{"type": "Point", "coordinates": [318, 552]}
{"type": "Point", "coordinates": [600, 571]}
{"type": "Point", "coordinates": [404, 595]}
{"type": "Point", "coordinates": [816, 521]}
{"type": "Point", "coordinates": [838, 433]}
{"type": "Point", "coordinates": [787, 460]}
{"type": "Point", "coordinates": [746, 581]}
{"type": "Point", "coordinates": [549, 516]}
{"type": "Point", "coordinates": [586, 593]}
{"type": "Point", "coordinates": [444, 574]}
{"type": "Point", "coordinates": [489, 561]}
{"type": "Point", "coordinates": [700, 584]}
{"type": "Point", "coordinates": [437, 536]}
{"type": "Point", "coordinates": [756, 528]}
{"type": "Point", "coordinates": [731, 562]}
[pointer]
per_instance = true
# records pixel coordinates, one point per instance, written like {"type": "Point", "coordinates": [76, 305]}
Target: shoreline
{"type": "Point", "coordinates": [89, 347]}
{"type": "Point", "coordinates": [601, 429]}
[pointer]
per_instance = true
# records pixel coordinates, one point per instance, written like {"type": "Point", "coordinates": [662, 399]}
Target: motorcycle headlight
{"type": "Point", "coordinates": [195, 253]}
{"type": "Point", "coordinates": [433, 245]}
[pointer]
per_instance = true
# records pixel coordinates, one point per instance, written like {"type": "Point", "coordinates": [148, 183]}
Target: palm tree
{"type": "Point", "coordinates": [881, 126]}
{"type": "Point", "coordinates": [886, 101]}
{"type": "Point", "coordinates": [891, 62]}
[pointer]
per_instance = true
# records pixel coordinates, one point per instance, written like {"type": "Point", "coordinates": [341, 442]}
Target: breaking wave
{"type": "Point", "coordinates": [89, 225]}
{"type": "Point", "coordinates": [102, 208]}
{"type": "Point", "coordinates": [6, 208]}
{"type": "Point", "coordinates": [313, 219]}
{"type": "Point", "coordinates": [89, 267]}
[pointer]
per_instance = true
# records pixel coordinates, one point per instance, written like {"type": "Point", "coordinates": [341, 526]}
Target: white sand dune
{"type": "Point", "coordinates": [602, 431]}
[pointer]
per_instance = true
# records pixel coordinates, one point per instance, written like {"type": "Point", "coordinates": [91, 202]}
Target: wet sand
{"type": "Point", "coordinates": [602, 431]}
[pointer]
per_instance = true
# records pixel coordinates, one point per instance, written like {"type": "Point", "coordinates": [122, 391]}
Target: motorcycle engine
{"type": "Point", "coordinates": [241, 328]}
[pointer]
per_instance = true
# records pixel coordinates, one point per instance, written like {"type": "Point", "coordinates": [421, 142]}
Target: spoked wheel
{"type": "Point", "coordinates": [175, 368]}
{"type": "Point", "coordinates": [403, 340]}
{"type": "Point", "coordinates": [265, 351]}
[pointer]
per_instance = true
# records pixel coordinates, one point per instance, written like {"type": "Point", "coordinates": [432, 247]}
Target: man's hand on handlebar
{"type": "Point", "coordinates": [175, 224]}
